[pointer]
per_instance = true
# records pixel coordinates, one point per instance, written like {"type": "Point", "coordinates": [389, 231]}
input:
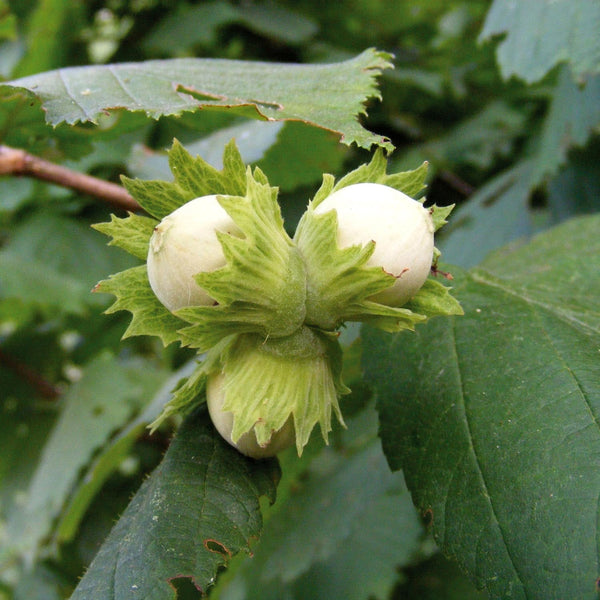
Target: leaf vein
{"type": "Point", "coordinates": [477, 462]}
{"type": "Point", "coordinates": [566, 368]}
{"type": "Point", "coordinates": [70, 94]}
{"type": "Point", "coordinates": [123, 86]}
{"type": "Point", "coordinates": [567, 316]}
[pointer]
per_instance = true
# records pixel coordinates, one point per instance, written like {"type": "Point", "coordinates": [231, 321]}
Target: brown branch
{"type": "Point", "coordinates": [455, 182]}
{"type": "Point", "coordinates": [18, 162]}
{"type": "Point", "coordinates": [43, 387]}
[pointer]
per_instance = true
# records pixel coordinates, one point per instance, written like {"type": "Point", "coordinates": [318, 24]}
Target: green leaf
{"type": "Point", "coordinates": [40, 286]}
{"type": "Point", "coordinates": [542, 33]}
{"type": "Point", "coordinates": [300, 155]}
{"type": "Point", "coordinates": [97, 405]}
{"type": "Point", "coordinates": [46, 51]}
{"type": "Point", "coordinates": [23, 433]}
{"type": "Point", "coordinates": [199, 508]}
{"type": "Point", "coordinates": [134, 294]}
{"type": "Point", "coordinates": [494, 416]}
{"type": "Point", "coordinates": [366, 565]}
{"type": "Point", "coordinates": [330, 96]}
{"type": "Point", "coordinates": [42, 239]}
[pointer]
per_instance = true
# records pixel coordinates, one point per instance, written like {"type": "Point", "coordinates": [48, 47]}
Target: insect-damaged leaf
{"type": "Point", "coordinates": [199, 508]}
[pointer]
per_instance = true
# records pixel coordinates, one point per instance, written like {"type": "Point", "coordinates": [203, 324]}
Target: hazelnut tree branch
{"type": "Point", "coordinates": [14, 161]}
{"type": "Point", "coordinates": [43, 387]}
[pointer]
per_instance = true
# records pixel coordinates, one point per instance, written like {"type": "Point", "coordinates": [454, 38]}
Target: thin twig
{"type": "Point", "coordinates": [454, 181]}
{"type": "Point", "coordinates": [18, 162]}
{"type": "Point", "coordinates": [43, 387]}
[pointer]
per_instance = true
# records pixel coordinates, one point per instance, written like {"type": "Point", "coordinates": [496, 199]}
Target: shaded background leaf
{"type": "Point", "coordinates": [542, 33]}
{"type": "Point", "coordinates": [108, 394]}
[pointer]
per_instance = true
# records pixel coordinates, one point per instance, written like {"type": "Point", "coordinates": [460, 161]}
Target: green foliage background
{"type": "Point", "coordinates": [489, 422]}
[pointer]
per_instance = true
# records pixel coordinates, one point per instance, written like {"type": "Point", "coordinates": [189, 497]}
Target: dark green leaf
{"type": "Point", "coordinates": [542, 33]}
{"type": "Point", "coordinates": [575, 189]}
{"type": "Point", "coordinates": [494, 416]}
{"type": "Point", "coordinates": [199, 508]}
{"type": "Point", "coordinates": [329, 96]}
{"type": "Point", "coordinates": [199, 24]}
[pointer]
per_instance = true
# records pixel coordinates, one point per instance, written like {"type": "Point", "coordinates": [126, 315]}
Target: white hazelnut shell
{"type": "Point", "coordinates": [184, 244]}
{"type": "Point", "coordinates": [402, 229]}
{"type": "Point", "coordinates": [247, 444]}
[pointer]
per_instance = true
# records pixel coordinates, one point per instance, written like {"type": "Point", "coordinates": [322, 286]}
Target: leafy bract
{"type": "Point", "coordinates": [193, 177]}
{"type": "Point", "coordinates": [199, 508]}
{"type": "Point", "coordinates": [541, 33]}
{"type": "Point", "coordinates": [494, 416]}
{"type": "Point", "coordinates": [330, 96]}
{"type": "Point", "coordinates": [339, 284]}
{"type": "Point", "coordinates": [262, 287]}
{"type": "Point", "coordinates": [134, 294]}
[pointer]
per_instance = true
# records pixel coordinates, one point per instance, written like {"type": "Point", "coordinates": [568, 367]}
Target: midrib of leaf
{"type": "Point", "coordinates": [472, 446]}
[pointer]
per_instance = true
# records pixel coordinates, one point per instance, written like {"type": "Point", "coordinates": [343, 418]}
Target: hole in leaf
{"type": "Point", "coordinates": [217, 547]}
{"type": "Point", "coordinates": [198, 95]}
{"type": "Point", "coordinates": [186, 588]}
